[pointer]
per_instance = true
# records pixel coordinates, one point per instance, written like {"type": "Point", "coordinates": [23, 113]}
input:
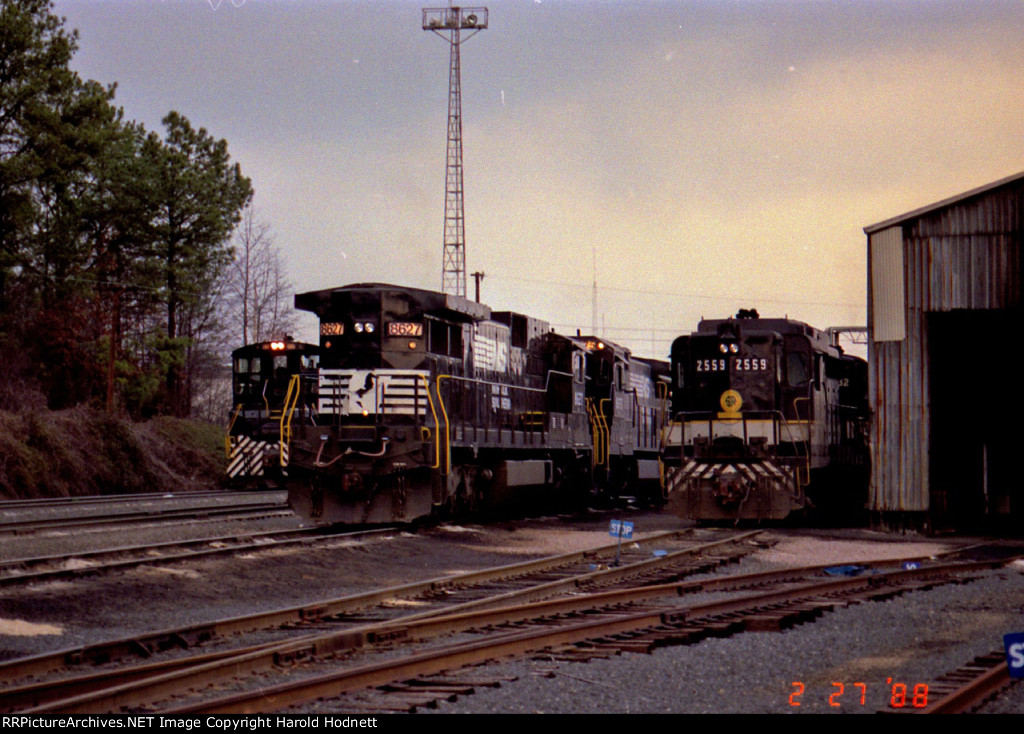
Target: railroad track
{"type": "Point", "coordinates": [105, 499]}
{"type": "Point", "coordinates": [961, 691]}
{"type": "Point", "coordinates": [245, 511]}
{"type": "Point", "coordinates": [24, 517]}
{"type": "Point", "coordinates": [615, 617]}
{"type": "Point", "coordinates": [473, 590]}
{"type": "Point", "coordinates": [20, 571]}
{"type": "Point", "coordinates": [635, 619]}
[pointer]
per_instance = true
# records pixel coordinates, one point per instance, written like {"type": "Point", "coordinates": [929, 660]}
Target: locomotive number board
{"type": "Point", "coordinates": [739, 364]}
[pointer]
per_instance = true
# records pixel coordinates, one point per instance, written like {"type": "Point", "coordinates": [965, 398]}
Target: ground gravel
{"type": "Point", "coordinates": [912, 639]}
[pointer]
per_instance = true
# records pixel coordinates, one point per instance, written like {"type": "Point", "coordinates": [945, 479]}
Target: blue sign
{"type": "Point", "coordinates": [620, 529]}
{"type": "Point", "coordinates": [1014, 644]}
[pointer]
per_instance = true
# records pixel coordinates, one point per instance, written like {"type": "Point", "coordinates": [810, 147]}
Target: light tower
{"type": "Point", "coordinates": [449, 23]}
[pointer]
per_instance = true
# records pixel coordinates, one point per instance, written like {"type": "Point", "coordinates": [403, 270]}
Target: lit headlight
{"type": "Point", "coordinates": [369, 327]}
{"type": "Point", "coordinates": [358, 327]}
{"type": "Point", "coordinates": [734, 348]}
{"type": "Point", "coordinates": [723, 348]}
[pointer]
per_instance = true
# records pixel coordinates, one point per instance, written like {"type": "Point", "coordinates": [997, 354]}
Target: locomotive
{"type": "Point", "coordinates": [261, 374]}
{"type": "Point", "coordinates": [427, 403]}
{"type": "Point", "coordinates": [769, 420]}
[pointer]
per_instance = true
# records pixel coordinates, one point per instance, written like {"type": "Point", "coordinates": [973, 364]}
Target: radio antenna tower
{"type": "Point", "coordinates": [449, 23]}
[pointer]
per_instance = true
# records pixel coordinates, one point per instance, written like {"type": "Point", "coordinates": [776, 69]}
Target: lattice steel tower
{"type": "Point", "coordinates": [449, 23]}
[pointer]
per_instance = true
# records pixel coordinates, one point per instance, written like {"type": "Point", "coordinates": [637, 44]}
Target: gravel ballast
{"type": "Point", "coordinates": [911, 639]}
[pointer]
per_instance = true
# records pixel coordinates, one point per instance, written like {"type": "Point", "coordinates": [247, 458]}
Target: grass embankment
{"type": "Point", "coordinates": [84, 451]}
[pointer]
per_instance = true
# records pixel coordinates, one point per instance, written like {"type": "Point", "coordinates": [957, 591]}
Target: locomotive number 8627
{"type": "Point", "coordinates": [429, 403]}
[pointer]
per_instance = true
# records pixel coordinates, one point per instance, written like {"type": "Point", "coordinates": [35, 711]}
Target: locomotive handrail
{"type": "Point", "coordinates": [291, 400]}
{"type": "Point", "coordinates": [607, 429]}
{"type": "Point", "coordinates": [447, 430]}
{"type": "Point", "coordinates": [231, 424]}
{"type": "Point", "coordinates": [807, 447]}
{"type": "Point", "coordinates": [594, 430]}
{"type": "Point", "coordinates": [779, 421]}
{"type": "Point", "coordinates": [444, 410]}
{"type": "Point", "coordinates": [433, 411]}
{"type": "Point", "coordinates": [599, 426]}
{"type": "Point", "coordinates": [547, 380]}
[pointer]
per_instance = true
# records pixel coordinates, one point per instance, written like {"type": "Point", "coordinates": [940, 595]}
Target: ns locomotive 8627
{"type": "Point", "coordinates": [769, 419]}
{"type": "Point", "coordinates": [427, 402]}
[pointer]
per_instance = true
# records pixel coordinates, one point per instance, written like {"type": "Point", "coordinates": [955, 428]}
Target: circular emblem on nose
{"type": "Point", "coordinates": [731, 401]}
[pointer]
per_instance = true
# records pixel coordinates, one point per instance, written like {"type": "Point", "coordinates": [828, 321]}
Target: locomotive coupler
{"type": "Point", "coordinates": [730, 488]}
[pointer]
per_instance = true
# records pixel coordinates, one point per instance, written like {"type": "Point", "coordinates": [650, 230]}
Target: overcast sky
{"type": "Point", "coordinates": [715, 155]}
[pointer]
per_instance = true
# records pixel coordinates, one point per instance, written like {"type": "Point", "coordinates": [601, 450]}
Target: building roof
{"type": "Point", "coordinates": [872, 228]}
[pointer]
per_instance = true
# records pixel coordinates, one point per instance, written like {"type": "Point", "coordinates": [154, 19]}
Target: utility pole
{"type": "Point", "coordinates": [478, 276]}
{"type": "Point", "coordinates": [448, 23]}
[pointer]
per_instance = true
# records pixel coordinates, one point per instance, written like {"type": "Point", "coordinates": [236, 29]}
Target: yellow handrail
{"type": "Point", "coordinates": [605, 429]}
{"type": "Point", "coordinates": [807, 441]}
{"type": "Point", "coordinates": [433, 411]}
{"type": "Point", "coordinates": [447, 432]}
{"type": "Point", "coordinates": [599, 428]}
{"type": "Point", "coordinates": [291, 400]}
{"type": "Point", "coordinates": [228, 444]}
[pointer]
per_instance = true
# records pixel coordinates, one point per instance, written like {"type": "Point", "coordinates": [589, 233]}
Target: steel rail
{"type": "Point", "coordinates": [242, 542]}
{"type": "Point", "coordinates": [168, 515]}
{"type": "Point", "coordinates": [972, 694]}
{"type": "Point", "coordinates": [366, 635]}
{"type": "Point", "coordinates": [142, 691]}
{"type": "Point", "coordinates": [273, 698]}
{"type": "Point", "coordinates": [164, 639]}
{"type": "Point", "coordinates": [89, 499]}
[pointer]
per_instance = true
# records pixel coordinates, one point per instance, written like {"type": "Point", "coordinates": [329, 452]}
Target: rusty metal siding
{"type": "Point", "coordinates": [898, 392]}
{"type": "Point", "coordinates": [961, 254]}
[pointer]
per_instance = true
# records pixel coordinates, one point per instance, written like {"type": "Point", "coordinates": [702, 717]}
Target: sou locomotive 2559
{"type": "Point", "coordinates": [427, 403]}
{"type": "Point", "coordinates": [769, 419]}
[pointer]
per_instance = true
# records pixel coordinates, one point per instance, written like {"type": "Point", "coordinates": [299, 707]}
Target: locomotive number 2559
{"type": "Point", "coordinates": [739, 364]}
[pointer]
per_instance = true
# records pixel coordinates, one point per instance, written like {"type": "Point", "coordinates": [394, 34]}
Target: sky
{"type": "Point", "coordinates": [690, 157]}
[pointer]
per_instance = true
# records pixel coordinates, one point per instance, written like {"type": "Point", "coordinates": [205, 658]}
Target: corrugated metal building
{"type": "Point", "coordinates": [944, 308]}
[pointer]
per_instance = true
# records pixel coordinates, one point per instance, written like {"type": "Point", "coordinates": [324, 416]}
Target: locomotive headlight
{"type": "Point", "coordinates": [358, 327]}
{"type": "Point", "coordinates": [734, 348]}
{"type": "Point", "coordinates": [723, 348]}
{"type": "Point", "coordinates": [369, 327]}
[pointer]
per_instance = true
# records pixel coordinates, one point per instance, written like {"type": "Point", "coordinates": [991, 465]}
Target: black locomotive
{"type": "Point", "coordinates": [769, 419]}
{"type": "Point", "coordinates": [261, 375]}
{"type": "Point", "coordinates": [428, 403]}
